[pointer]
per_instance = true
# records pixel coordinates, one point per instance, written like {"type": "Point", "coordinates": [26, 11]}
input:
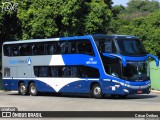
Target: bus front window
{"type": "Point", "coordinates": [130, 47]}
{"type": "Point", "coordinates": [136, 71]}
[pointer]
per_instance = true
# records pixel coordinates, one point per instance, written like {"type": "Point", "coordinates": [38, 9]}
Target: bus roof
{"type": "Point", "coordinates": [114, 36]}
{"type": "Point", "coordinates": [69, 38]}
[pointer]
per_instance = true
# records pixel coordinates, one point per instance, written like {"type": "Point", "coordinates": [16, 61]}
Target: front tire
{"type": "Point", "coordinates": [97, 91]}
{"type": "Point", "coordinates": [33, 89]}
{"type": "Point", "coordinates": [22, 89]}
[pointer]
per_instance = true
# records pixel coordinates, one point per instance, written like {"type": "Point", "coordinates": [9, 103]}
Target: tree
{"type": "Point", "coordinates": [52, 18]}
{"type": "Point", "coordinates": [117, 9]}
{"type": "Point", "coordinates": [98, 17]}
{"type": "Point", "coordinates": [10, 28]}
{"type": "Point", "coordinates": [146, 28]}
{"type": "Point", "coordinates": [135, 6]}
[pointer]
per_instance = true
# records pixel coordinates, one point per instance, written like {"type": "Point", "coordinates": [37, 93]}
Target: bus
{"type": "Point", "coordinates": [96, 65]}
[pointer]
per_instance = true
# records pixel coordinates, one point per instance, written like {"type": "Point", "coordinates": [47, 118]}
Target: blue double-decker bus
{"type": "Point", "coordinates": [97, 65]}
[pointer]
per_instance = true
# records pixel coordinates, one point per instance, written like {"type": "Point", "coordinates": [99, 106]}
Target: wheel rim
{"type": "Point", "coordinates": [97, 91]}
{"type": "Point", "coordinates": [23, 89]}
{"type": "Point", "coordinates": [33, 89]}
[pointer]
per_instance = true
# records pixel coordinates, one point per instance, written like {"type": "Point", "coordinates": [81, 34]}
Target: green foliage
{"type": "Point", "coordinates": [98, 17]}
{"type": "Point", "coordinates": [146, 28]}
{"type": "Point", "coordinates": [135, 6]}
{"type": "Point", "coordinates": [9, 24]}
{"type": "Point", "coordinates": [52, 18]}
{"type": "Point", "coordinates": [117, 9]}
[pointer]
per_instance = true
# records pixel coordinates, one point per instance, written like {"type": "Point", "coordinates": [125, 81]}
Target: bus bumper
{"type": "Point", "coordinates": [119, 88]}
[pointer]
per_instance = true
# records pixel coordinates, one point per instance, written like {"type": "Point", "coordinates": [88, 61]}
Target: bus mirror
{"type": "Point", "coordinates": [117, 56]}
{"type": "Point", "coordinates": [155, 58]}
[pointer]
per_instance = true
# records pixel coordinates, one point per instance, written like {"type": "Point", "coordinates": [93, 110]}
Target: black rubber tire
{"type": "Point", "coordinates": [22, 89]}
{"type": "Point", "coordinates": [33, 89]}
{"type": "Point", "coordinates": [96, 91]}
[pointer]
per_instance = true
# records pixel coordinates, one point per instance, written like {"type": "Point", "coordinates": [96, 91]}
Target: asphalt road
{"type": "Point", "coordinates": [50, 102]}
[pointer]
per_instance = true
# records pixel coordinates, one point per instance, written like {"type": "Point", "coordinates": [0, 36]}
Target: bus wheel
{"type": "Point", "coordinates": [97, 91]}
{"type": "Point", "coordinates": [22, 89]}
{"type": "Point", "coordinates": [33, 89]}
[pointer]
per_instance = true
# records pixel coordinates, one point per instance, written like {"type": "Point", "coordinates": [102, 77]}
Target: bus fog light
{"type": "Point", "coordinates": [125, 90]}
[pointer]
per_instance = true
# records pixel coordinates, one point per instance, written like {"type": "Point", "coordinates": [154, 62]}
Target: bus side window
{"type": "Point", "coordinates": [108, 46]}
{"type": "Point", "coordinates": [38, 49]}
{"type": "Point", "coordinates": [25, 50]}
{"type": "Point", "coordinates": [85, 47]}
{"type": "Point", "coordinates": [101, 46]}
{"type": "Point", "coordinates": [54, 71]}
{"type": "Point", "coordinates": [82, 72]}
{"type": "Point", "coordinates": [73, 71]}
{"type": "Point", "coordinates": [15, 50]}
{"type": "Point", "coordinates": [65, 71]}
{"type": "Point", "coordinates": [43, 72]}
{"type": "Point", "coordinates": [7, 50]}
{"type": "Point", "coordinates": [36, 71]}
{"type": "Point", "coordinates": [52, 48]}
{"type": "Point", "coordinates": [6, 72]}
{"type": "Point", "coordinates": [92, 72]}
{"type": "Point", "coordinates": [73, 47]}
{"type": "Point", "coordinates": [64, 47]}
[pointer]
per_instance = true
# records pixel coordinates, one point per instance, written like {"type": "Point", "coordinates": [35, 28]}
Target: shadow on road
{"type": "Point", "coordinates": [140, 96]}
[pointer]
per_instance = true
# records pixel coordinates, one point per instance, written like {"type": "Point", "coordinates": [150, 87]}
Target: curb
{"type": "Point", "coordinates": [8, 91]}
{"type": "Point", "coordinates": [155, 91]}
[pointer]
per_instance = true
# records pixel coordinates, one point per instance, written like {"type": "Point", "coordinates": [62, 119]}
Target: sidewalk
{"type": "Point", "coordinates": [155, 91]}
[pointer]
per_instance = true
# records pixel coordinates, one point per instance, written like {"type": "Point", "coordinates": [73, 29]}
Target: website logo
{"type": "Point", "coordinates": [20, 61]}
{"type": "Point", "coordinates": [9, 6]}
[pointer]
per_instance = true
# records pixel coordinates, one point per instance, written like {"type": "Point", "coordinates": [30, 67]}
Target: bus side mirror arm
{"type": "Point", "coordinates": [116, 56]}
{"type": "Point", "coordinates": [155, 58]}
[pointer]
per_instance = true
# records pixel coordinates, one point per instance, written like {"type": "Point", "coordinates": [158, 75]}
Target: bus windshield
{"type": "Point", "coordinates": [130, 47]}
{"type": "Point", "coordinates": [136, 71]}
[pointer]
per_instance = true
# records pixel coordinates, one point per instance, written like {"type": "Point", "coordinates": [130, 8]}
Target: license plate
{"type": "Point", "coordinates": [139, 91]}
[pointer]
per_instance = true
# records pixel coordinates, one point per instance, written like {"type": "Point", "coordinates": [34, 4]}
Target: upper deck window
{"type": "Point", "coordinates": [7, 50]}
{"type": "Point", "coordinates": [15, 50]}
{"type": "Point", "coordinates": [83, 46]}
{"type": "Point", "coordinates": [25, 49]}
{"type": "Point", "coordinates": [130, 47]}
{"type": "Point", "coordinates": [105, 45]}
{"type": "Point", "coordinates": [39, 49]}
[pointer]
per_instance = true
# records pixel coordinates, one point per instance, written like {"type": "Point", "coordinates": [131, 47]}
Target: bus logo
{"type": "Point", "coordinates": [29, 61]}
{"type": "Point", "coordinates": [91, 61]}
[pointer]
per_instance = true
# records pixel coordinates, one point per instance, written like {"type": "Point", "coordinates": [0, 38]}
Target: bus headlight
{"type": "Point", "coordinates": [125, 90]}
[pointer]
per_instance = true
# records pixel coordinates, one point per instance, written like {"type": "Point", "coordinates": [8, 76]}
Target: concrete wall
{"type": "Point", "coordinates": [155, 75]}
